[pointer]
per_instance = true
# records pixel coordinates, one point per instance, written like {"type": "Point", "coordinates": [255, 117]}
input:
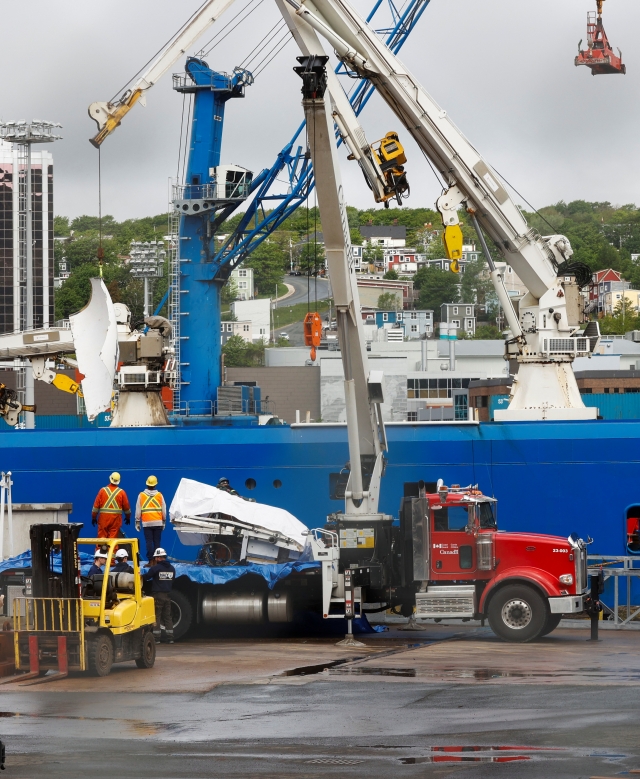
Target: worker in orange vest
{"type": "Point", "coordinates": [110, 504]}
{"type": "Point", "coordinates": [151, 515]}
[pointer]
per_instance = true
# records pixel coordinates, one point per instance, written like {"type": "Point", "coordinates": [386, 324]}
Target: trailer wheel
{"type": "Point", "coordinates": [517, 613]}
{"type": "Point", "coordinates": [148, 657]}
{"type": "Point", "coordinates": [100, 655]}
{"type": "Point", "coordinates": [553, 620]}
{"type": "Point", "coordinates": [182, 613]}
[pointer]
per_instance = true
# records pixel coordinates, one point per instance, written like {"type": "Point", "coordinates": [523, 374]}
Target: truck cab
{"type": "Point", "coordinates": [463, 566]}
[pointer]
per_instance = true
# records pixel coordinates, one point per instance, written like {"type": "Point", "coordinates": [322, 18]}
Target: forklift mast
{"type": "Point", "coordinates": [52, 543]}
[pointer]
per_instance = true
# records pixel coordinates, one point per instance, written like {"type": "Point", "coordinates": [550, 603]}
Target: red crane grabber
{"type": "Point", "coordinates": [599, 55]}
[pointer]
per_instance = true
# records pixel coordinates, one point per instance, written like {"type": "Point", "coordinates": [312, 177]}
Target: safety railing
{"type": "Point", "coordinates": [616, 567]}
{"type": "Point", "coordinates": [48, 615]}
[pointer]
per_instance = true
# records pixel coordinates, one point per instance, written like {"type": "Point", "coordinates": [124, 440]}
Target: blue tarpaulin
{"type": "Point", "coordinates": [201, 574]}
{"type": "Point", "coordinates": [205, 574]}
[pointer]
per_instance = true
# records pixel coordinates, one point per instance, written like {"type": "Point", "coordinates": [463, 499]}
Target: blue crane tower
{"type": "Point", "coordinates": [210, 192]}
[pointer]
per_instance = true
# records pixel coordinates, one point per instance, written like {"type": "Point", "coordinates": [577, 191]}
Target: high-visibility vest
{"type": "Point", "coordinates": [151, 507]}
{"type": "Point", "coordinates": [111, 505]}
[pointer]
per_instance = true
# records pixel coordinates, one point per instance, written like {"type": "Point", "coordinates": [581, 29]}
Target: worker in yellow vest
{"type": "Point", "coordinates": [151, 515]}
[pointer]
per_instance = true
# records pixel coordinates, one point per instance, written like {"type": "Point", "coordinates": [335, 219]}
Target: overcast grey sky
{"type": "Point", "coordinates": [503, 70]}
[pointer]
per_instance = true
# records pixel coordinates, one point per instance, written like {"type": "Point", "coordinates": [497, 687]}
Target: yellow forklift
{"type": "Point", "coordinates": [68, 622]}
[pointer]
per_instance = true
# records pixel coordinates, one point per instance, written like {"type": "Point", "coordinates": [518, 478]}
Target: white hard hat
{"type": "Point", "coordinates": [159, 552]}
{"type": "Point", "coordinates": [122, 553]}
{"type": "Point", "coordinates": [100, 553]}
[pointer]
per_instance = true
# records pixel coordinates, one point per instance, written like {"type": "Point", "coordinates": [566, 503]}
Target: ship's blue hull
{"type": "Point", "coordinates": [552, 477]}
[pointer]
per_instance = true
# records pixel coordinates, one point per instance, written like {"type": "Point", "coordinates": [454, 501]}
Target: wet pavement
{"type": "Point", "coordinates": [443, 702]}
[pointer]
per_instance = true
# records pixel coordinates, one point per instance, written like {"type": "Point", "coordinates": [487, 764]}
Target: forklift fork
{"type": "Point", "coordinates": [63, 663]}
{"type": "Point", "coordinates": [34, 664]}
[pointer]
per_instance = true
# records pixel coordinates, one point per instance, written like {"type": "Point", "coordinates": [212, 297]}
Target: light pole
{"type": "Point", "coordinates": [147, 262]}
{"type": "Point", "coordinates": [25, 134]}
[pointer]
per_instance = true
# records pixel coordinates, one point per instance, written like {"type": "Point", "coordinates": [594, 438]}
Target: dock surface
{"type": "Point", "coordinates": [439, 702]}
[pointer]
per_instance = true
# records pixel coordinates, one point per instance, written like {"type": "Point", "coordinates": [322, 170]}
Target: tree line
{"type": "Point", "coordinates": [602, 236]}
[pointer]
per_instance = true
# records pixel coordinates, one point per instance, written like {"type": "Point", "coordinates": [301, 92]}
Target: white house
{"type": "Point", "coordinates": [258, 312]}
{"type": "Point", "coordinates": [228, 329]}
{"type": "Point", "coordinates": [386, 236]}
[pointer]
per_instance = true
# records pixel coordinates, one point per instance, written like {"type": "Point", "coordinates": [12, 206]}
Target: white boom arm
{"type": "Point", "coordinates": [543, 337]}
{"type": "Point", "coordinates": [363, 388]}
{"type": "Point", "coordinates": [109, 115]}
{"type": "Point", "coordinates": [92, 338]}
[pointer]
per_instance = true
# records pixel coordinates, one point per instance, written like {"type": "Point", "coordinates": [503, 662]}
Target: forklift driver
{"type": "Point", "coordinates": [99, 559]}
{"type": "Point", "coordinates": [122, 566]}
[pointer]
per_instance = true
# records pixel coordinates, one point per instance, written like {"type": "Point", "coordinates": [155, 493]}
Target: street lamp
{"type": "Point", "coordinates": [147, 262]}
{"type": "Point", "coordinates": [25, 134]}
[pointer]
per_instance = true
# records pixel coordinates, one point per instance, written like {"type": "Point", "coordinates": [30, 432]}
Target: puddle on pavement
{"type": "Point", "coordinates": [365, 670]}
{"type": "Point", "coordinates": [310, 670]}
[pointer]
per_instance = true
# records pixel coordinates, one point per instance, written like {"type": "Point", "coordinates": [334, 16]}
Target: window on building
{"type": "Point", "coordinates": [414, 328]}
{"type": "Point", "coordinates": [245, 328]}
{"type": "Point", "coordinates": [242, 285]}
{"type": "Point", "coordinates": [461, 407]}
{"type": "Point", "coordinates": [586, 391]}
{"type": "Point", "coordinates": [262, 331]}
{"type": "Point", "coordinates": [468, 310]}
{"type": "Point", "coordinates": [414, 315]}
{"type": "Point", "coordinates": [607, 390]}
{"type": "Point", "coordinates": [616, 390]}
{"type": "Point", "coordinates": [222, 327]}
{"type": "Point", "coordinates": [230, 328]}
{"type": "Point", "coordinates": [455, 322]}
{"type": "Point", "coordinates": [399, 316]}
{"type": "Point", "coordinates": [412, 416]}
{"type": "Point", "coordinates": [242, 272]}
{"type": "Point", "coordinates": [455, 309]}
{"type": "Point", "coordinates": [385, 317]}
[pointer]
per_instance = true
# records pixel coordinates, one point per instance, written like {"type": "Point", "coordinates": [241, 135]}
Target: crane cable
{"type": "Point", "coordinates": [100, 249]}
{"type": "Point", "coordinates": [206, 51]}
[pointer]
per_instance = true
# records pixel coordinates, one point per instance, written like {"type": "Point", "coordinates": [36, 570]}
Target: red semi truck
{"type": "Point", "coordinates": [447, 559]}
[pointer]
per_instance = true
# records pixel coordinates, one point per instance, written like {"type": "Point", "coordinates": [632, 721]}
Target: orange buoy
{"type": "Point", "coordinates": [312, 332]}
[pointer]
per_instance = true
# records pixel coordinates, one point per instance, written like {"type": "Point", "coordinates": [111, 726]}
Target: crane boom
{"type": "Point", "coordinates": [545, 334]}
{"type": "Point", "coordinates": [363, 388]}
{"type": "Point", "coordinates": [108, 115]}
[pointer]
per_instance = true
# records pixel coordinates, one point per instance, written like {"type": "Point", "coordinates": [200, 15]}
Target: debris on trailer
{"type": "Point", "coordinates": [599, 55]}
{"type": "Point", "coordinates": [232, 530]}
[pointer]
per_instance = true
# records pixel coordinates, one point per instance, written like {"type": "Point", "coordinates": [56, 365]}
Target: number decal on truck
{"type": "Point", "coordinates": [564, 551]}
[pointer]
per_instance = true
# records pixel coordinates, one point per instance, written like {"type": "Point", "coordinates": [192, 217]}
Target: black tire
{"type": "Point", "coordinates": [182, 613]}
{"type": "Point", "coordinates": [100, 655]}
{"type": "Point", "coordinates": [553, 620]}
{"type": "Point", "coordinates": [148, 657]}
{"type": "Point", "coordinates": [518, 613]}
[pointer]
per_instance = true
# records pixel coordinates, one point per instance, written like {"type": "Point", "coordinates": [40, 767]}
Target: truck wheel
{"type": "Point", "coordinates": [100, 655]}
{"type": "Point", "coordinates": [182, 613]}
{"type": "Point", "coordinates": [553, 620]}
{"type": "Point", "coordinates": [148, 657]}
{"type": "Point", "coordinates": [517, 613]}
